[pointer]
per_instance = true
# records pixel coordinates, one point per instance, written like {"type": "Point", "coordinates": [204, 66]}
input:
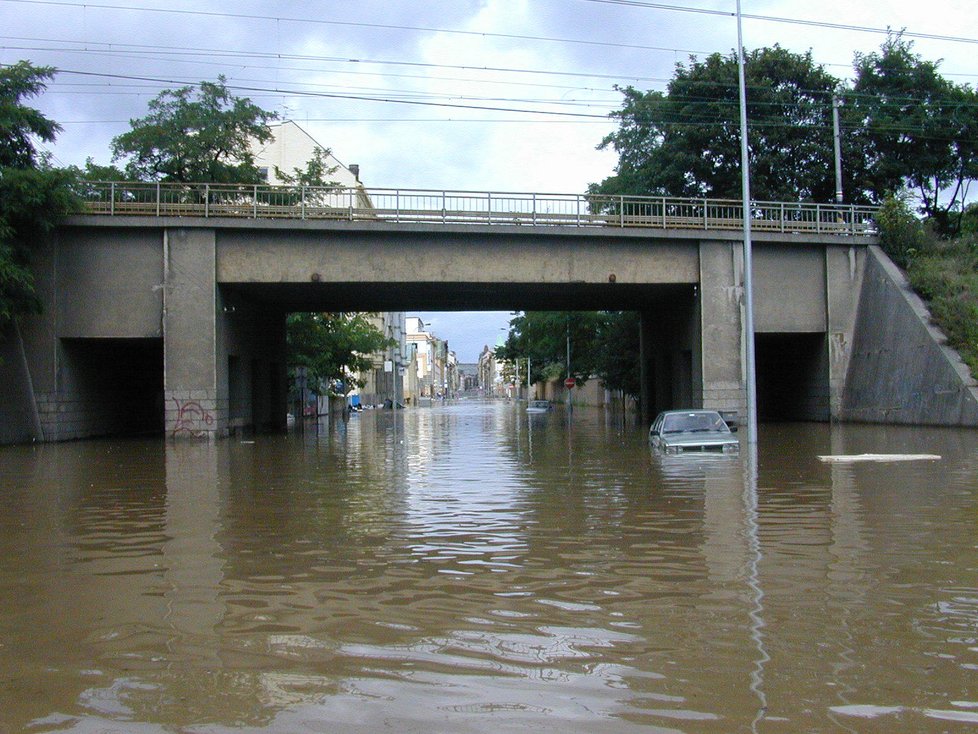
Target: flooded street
{"type": "Point", "coordinates": [472, 568]}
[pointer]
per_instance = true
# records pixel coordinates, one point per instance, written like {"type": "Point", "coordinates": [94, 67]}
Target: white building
{"type": "Point", "coordinates": [437, 366]}
{"type": "Point", "coordinates": [423, 343]}
{"type": "Point", "coordinates": [292, 148]}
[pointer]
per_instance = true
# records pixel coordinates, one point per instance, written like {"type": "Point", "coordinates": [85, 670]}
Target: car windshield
{"type": "Point", "coordinates": [693, 423]}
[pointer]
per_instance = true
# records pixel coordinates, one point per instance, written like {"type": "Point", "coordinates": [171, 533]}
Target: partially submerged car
{"type": "Point", "coordinates": [685, 431]}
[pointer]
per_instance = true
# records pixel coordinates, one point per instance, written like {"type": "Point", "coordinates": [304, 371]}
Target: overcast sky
{"type": "Point", "coordinates": [485, 95]}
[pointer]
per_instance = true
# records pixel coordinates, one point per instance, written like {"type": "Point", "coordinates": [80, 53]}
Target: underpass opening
{"type": "Point", "coordinates": [792, 377]}
{"type": "Point", "coordinates": [111, 386]}
{"type": "Point", "coordinates": [668, 372]}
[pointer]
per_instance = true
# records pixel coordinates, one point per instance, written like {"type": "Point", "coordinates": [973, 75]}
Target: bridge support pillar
{"type": "Point", "coordinates": [646, 370]}
{"type": "Point", "coordinates": [194, 373]}
{"type": "Point", "coordinates": [722, 348]}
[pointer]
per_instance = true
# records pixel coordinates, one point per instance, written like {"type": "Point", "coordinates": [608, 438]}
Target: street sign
{"type": "Point", "coordinates": [570, 382]}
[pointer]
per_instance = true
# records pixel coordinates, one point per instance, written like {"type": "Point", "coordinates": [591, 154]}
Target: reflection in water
{"type": "Point", "coordinates": [474, 568]}
{"type": "Point", "coordinates": [749, 458]}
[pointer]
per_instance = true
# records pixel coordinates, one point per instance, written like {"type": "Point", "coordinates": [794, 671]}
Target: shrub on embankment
{"type": "Point", "coordinates": [944, 272]}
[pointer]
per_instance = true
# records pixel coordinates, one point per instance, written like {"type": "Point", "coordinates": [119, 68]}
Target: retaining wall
{"type": "Point", "coordinates": [902, 371]}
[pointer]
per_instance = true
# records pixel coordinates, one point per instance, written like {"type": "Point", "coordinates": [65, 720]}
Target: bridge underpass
{"type": "Point", "coordinates": [189, 313]}
{"type": "Point", "coordinates": [668, 313]}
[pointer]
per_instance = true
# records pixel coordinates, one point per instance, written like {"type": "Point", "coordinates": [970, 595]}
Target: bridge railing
{"type": "Point", "coordinates": [117, 198]}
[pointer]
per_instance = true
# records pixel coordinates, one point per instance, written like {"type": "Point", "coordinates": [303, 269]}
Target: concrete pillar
{"type": "Point", "coordinates": [646, 371]}
{"type": "Point", "coordinates": [721, 347]}
{"type": "Point", "coordinates": [844, 267]}
{"type": "Point", "coordinates": [195, 368]}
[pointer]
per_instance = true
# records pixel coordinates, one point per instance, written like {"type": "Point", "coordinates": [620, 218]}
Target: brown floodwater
{"type": "Point", "coordinates": [472, 568]}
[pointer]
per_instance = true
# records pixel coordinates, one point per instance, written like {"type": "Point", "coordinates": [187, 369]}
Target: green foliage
{"type": "Point", "coordinates": [543, 337]}
{"type": "Point", "coordinates": [333, 347]}
{"type": "Point", "coordinates": [617, 356]}
{"type": "Point", "coordinates": [315, 175]}
{"type": "Point", "coordinates": [686, 142]}
{"type": "Point", "coordinates": [16, 286]}
{"type": "Point", "coordinates": [33, 196]}
{"type": "Point", "coordinates": [21, 125]}
{"type": "Point", "coordinates": [316, 172]}
{"type": "Point", "coordinates": [958, 318]}
{"type": "Point", "coordinates": [902, 234]}
{"type": "Point", "coordinates": [195, 135]}
{"type": "Point", "coordinates": [946, 276]}
{"type": "Point", "coordinates": [969, 220]}
{"type": "Point", "coordinates": [31, 202]}
{"type": "Point", "coordinates": [95, 172]}
{"type": "Point", "coordinates": [604, 344]}
{"type": "Point", "coordinates": [913, 129]}
{"type": "Point", "coordinates": [904, 128]}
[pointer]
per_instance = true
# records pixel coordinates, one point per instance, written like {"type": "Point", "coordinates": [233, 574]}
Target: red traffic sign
{"type": "Point", "coordinates": [570, 382]}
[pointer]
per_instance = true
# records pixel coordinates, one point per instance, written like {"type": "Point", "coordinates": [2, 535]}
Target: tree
{"type": "Point", "coordinates": [543, 337]}
{"type": "Point", "coordinates": [33, 196]}
{"type": "Point", "coordinates": [915, 130]}
{"type": "Point", "coordinates": [315, 176]}
{"type": "Point", "coordinates": [197, 134]}
{"type": "Point", "coordinates": [686, 141]}
{"type": "Point", "coordinates": [333, 348]}
{"type": "Point", "coordinates": [21, 125]}
{"type": "Point", "coordinates": [618, 352]}
{"type": "Point", "coordinates": [604, 344]}
{"type": "Point", "coordinates": [316, 172]}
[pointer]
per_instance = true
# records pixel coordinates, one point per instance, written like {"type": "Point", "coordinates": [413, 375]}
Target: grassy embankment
{"type": "Point", "coordinates": [944, 272]}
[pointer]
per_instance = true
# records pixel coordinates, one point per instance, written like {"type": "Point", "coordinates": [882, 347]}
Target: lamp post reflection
{"type": "Point", "coordinates": [752, 575]}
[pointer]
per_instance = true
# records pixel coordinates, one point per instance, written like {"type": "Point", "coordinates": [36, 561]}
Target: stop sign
{"type": "Point", "coordinates": [570, 382]}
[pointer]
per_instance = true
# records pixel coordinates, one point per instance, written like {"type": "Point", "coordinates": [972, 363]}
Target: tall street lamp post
{"type": "Point", "coordinates": [748, 258]}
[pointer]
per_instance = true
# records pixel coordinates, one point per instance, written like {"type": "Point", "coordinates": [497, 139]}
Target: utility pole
{"type": "Point", "coordinates": [751, 377]}
{"type": "Point", "coordinates": [837, 146]}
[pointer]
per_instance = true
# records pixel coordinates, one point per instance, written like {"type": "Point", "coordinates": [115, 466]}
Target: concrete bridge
{"type": "Point", "coordinates": [164, 311]}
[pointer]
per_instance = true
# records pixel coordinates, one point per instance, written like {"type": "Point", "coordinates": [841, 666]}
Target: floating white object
{"type": "Point", "coordinates": [850, 458]}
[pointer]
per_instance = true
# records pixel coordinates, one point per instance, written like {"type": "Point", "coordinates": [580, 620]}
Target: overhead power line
{"type": "Point", "coordinates": [760, 122]}
{"type": "Point", "coordinates": [331, 95]}
{"type": "Point", "coordinates": [790, 21]}
{"type": "Point", "coordinates": [194, 55]}
{"type": "Point", "coordinates": [355, 24]}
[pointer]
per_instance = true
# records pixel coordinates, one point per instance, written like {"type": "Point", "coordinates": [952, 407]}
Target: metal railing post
{"type": "Point", "coordinates": [818, 218]}
{"type": "Point", "coordinates": [489, 207]}
{"type": "Point", "coordinates": [706, 214]}
{"type": "Point", "coordinates": [207, 200]}
{"type": "Point", "coordinates": [664, 213]}
{"type": "Point", "coordinates": [159, 197]}
{"type": "Point", "coordinates": [112, 199]}
{"type": "Point", "coordinates": [577, 201]}
{"type": "Point", "coordinates": [534, 212]}
{"type": "Point", "coordinates": [254, 203]}
{"type": "Point", "coordinates": [783, 224]}
{"type": "Point", "coordinates": [621, 210]}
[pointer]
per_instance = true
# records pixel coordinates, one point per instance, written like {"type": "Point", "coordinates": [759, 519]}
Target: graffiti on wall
{"type": "Point", "coordinates": [192, 419]}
